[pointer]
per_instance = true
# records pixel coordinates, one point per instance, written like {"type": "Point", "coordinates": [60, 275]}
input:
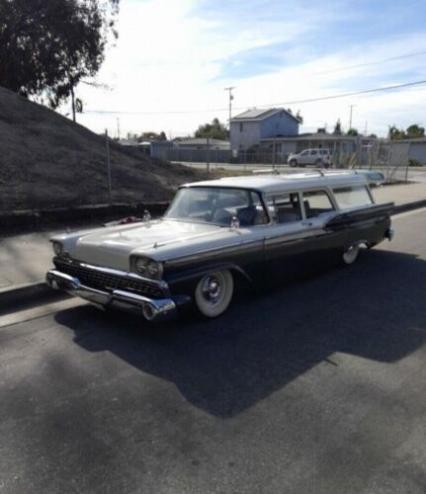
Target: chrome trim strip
{"type": "Point", "coordinates": [150, 308]}
{"type": "Point", "coordinates": [240, 248]}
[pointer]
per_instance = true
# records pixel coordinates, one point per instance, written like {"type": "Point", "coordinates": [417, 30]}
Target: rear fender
{"type": "Point", "coordinates": [345, 220]}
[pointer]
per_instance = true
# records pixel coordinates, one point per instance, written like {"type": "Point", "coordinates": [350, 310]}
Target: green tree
{"type": "Point", "coordinates": [395, 134]}
{"type": "Point", "coordinates": [415, 131]}
{"type": "Point", "coordinates": [152, 136]}
{"type": "Point", "coordinates": [352, 132]}
{"type": "Point", "coordinates": [338, 128]}
{"type": "Point", "coordinates": [214, 130]}
{"type": "Point", "coordinates": [48, 46]}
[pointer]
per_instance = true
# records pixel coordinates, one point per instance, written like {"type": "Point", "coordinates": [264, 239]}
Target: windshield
{"type": "Point", "coordinates": [218, 206]}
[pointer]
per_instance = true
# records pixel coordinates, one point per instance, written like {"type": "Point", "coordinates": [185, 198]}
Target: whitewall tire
{"type": "Point", "coordinates": [350, 255]}
{"type": "Point", "coordinates": [214, 292]}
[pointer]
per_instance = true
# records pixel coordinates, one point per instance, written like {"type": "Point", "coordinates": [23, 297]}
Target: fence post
{"type": "Point", "coordinates": [108, 163]}
{"type": "Point", "coordinates": [273, 154]}
{"type": "Point", "coordinates": [208, 155]}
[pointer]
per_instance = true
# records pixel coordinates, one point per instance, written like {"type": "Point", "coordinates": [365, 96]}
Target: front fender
{"type": "Point", "coordinates": [191, 276]}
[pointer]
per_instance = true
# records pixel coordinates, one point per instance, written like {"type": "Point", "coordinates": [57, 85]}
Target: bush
{"type": "Point", "coordinates": [414, 162]}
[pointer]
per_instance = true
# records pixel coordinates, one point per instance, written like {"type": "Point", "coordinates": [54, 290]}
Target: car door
{"type": "Point", "coordinates": [313, 156]}
{"type": "Point", "coordinates": [304, 157]}
{"type": "Point", "coordinates": [322, 246]}
{"type": "Point", "coordinates": [285, 236]}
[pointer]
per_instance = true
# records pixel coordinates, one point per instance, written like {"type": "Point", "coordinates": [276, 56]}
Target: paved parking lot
{"type": "Point", "coordinates": [318, 387]}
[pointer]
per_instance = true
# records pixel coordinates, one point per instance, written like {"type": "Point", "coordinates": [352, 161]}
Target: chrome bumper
{"type": "Point", "coordinates": [389, 234]}
{"type": "Point", "coordinates": [151, 309]}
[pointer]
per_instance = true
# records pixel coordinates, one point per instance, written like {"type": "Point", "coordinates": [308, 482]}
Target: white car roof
{"type": "Point", "coordinates": [290, 181]}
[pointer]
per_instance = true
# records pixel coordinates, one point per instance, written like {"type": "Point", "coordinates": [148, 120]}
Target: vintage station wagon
{"type": "Point", "coordinates": [219, 233]}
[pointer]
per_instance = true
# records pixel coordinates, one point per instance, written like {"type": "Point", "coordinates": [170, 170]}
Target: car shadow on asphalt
{"type": "Point", "coordinates": [374, 309]}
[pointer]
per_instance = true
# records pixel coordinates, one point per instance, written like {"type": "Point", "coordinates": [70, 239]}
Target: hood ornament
{"type": "Point", "coordinates": [146, 216]}
{"type": "Point", "coordinates": [235, 223]}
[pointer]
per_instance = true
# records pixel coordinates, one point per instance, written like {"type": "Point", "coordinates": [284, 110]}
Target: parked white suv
{"type": "Point", "coordinates": [318, 156]}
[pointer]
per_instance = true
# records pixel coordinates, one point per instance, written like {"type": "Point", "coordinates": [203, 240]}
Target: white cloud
{"type": "Point", "coordinates": [168, 59]}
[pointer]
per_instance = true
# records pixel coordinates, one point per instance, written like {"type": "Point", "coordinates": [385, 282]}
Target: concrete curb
{"type": "Point", "coordinates": [26, 294]}
{"type": "Point", "coordinates": [34, 292]}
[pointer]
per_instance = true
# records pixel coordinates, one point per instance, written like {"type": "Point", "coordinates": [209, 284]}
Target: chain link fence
{"type": "Point", "coordinates": [389, 157]}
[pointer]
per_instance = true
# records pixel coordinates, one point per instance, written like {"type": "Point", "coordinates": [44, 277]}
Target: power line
{"type": "Point", "coordinates": [281, 103]}
{"type": "Point", "coordinates": [368, 64]}
{"type": "Point", "coordinates": [354, 93]}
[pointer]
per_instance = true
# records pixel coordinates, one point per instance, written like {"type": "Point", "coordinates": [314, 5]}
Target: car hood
{"type": "Point", "coordinates": [160, 240]}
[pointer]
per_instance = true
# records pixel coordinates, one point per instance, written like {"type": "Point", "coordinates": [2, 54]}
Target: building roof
{"type": "Point", "coordinates": [255, 115]}
{"type": "Point", "coordinates": [288, 181]}
{"type": "Point", "coordinates": [202, 141]}
{"type": "Point", "coordinates": [317, 137]}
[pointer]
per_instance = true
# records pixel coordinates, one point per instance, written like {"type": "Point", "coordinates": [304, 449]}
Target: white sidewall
{"type": "Point", "coordinates": [215, 309]}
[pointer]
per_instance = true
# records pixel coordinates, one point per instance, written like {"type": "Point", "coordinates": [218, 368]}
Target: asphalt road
{"type": "Point", "coordinates": [319, 387]}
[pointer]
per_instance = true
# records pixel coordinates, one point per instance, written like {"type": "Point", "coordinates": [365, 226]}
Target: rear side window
{"type": "Point", "coordinates": [316, 202]}
{"type": "Point", "coordinates": [285, 208]}
{"type": "Point", "coordinates": [352, 197]}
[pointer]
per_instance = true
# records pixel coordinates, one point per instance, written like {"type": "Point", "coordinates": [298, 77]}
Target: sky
{"type": "Point", "coordinates": [174, 58]}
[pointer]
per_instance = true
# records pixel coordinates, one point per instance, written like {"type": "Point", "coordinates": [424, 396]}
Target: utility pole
{"type": "Point", "coordinates": [350, 116]}
{"type": "Point", "coordinates": [108, 163]}
{"type": "Point", "coordinates": [231, 97]}
{"type": "Point", "coordinates": [73, 103]}
{"type": "Point", "coordinates": [118, 128]}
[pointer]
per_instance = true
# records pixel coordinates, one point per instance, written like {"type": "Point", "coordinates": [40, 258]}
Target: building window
{"type": "Point", "coordinates": [241, 126]}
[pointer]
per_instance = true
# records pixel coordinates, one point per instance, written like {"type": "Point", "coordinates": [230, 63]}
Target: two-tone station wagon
{"type": "Point", "coordinates": [217, 233]}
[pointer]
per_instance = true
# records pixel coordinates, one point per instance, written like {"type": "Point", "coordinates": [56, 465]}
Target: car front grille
{"type": "Point", "coordinates": [101, 280]}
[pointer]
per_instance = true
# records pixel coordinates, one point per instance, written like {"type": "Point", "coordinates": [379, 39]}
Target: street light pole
{"type": "Point", "coordinates": [350, 115]}
{"type": "Point", "coordinates": [231, 97]}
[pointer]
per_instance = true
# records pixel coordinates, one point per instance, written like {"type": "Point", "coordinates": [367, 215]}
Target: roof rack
{"type": "Point", "coordinates": [266, 171]}
{"type": "Point", "coordinates": [320, 171]}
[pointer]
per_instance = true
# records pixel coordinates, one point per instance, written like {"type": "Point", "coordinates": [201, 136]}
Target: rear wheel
{"type": "Point", "coordinates": [214, 292]}
{"type": "Point", "coordinates": [350, 255]}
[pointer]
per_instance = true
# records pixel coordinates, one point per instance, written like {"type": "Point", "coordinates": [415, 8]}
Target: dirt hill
{"type": "Point", "coordinates": [48, 161]}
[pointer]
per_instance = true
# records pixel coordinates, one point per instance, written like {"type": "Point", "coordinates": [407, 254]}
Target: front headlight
{"type": "Point", "coordinates": [148, 268]}
{"type": "Point", "coordinates": [58, 248]}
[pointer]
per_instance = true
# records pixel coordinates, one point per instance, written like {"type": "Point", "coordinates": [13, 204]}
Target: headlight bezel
{"type": "Point", "coordinates": [58, 248]}
{"type": "Point", "coordinates": [147, 267]}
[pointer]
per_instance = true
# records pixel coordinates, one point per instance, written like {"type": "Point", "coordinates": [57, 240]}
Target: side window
{"type": "Point", "coordinates": [304, 153]}
{"type": "Point", "coordinates": [313, 152]}
{"type": "Point", "coordinates": [316, 202]}
{"type": "Point", "coordinates": [241, 126]}
{"type": "Point", "coordinates": [352, 197]}
{"type": "Point", "coordinates": [285, 208]}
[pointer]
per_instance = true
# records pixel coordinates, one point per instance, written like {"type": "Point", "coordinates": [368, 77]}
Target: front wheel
{"type": "Point", "coordinates": [293, 163]}
{"type": "Point", "coordinates": [213, 293]}
{"type": "Point", "coordinates": [350, 255]}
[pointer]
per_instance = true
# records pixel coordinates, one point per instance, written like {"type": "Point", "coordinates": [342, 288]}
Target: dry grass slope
{"type": "Point", "coordinates": [48, 161]}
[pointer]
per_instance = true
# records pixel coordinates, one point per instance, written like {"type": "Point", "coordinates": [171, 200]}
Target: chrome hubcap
{"type": "Point", "coordinates": [351, 254]}
{"type": "Point", "coordinates": [211, 289]}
